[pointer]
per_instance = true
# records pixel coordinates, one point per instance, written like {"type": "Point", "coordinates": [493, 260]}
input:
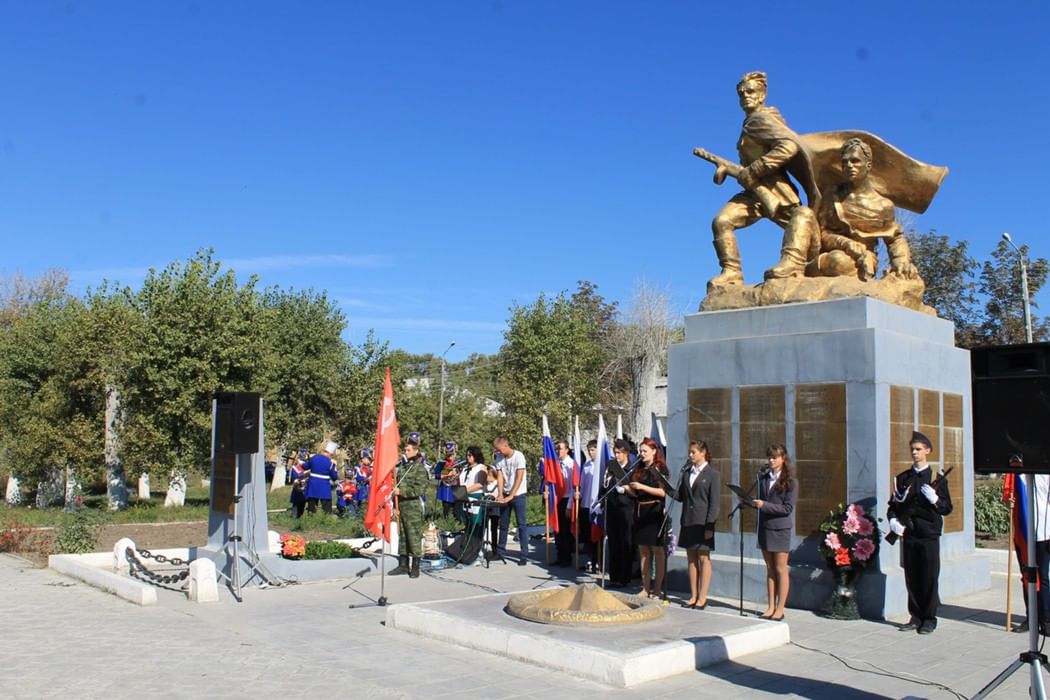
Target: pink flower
{"type": "Point", "coordinates": [864, 527]}
{"type": "Point", "coordinates": [832, 541]}
{"type": "Point", "coordinates": [863, 550]}
{"type": "Point", "coordinates": [851, 526]}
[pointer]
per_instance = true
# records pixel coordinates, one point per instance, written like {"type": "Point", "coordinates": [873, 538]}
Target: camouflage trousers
{"type": "Point", "coordinates": [410, 530]}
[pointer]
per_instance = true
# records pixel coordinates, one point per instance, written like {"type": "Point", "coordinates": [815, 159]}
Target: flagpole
{"type": "Point", "coordinates": [546, 523]}
{"type": "Point", "coordinates": [381, 602]}
{"type": "Point", "coordinates": [576, 519]}
{"type": "Point", "coordinates": [1013, 497]}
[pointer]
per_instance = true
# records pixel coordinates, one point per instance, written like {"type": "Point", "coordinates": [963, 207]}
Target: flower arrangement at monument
{"type": "Point", "coordinates": [293, 546]}
{"type": "Point", "coordinates": [850, 543]}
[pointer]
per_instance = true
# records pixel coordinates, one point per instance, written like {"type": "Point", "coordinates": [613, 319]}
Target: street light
{"type": "Point", "coordinates": [441, 402]}
{"type": "Point", "coordinates": [1024, 288]}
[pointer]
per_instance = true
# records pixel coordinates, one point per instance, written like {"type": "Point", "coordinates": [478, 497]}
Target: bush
{"type": "Point", "coordinates": [327, 549]}
{"type": "Point", "coordinates": [78, 534]}
{"type": "Point", "coordinates": [991, 515]}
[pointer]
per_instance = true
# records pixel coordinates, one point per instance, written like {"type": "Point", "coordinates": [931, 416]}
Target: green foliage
{"type": "Point", "coordinates": [991, 514]}
{"type": "Point", "coordinates": [983, 300]}
{"type": "Point", "coordinates": [553, 359]}
{"type": "Point", "coordinates": [78, 533]}
{"type": "Point", "coordinates": [328, 549]}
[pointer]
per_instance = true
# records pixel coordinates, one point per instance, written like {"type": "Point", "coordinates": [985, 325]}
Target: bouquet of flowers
{"type": "Point", "coordinates": [850, 537]}
{"type": "Point", "coordinates": [293, 546]}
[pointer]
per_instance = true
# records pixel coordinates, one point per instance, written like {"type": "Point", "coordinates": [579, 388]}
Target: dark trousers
{"type": "Point", "coordinates": [922, 567]}
{"type": "Point", "coordinates": [618, 522]}
{"type": "Point", "coordinates": [564, 539]}
{"type": "Point", "coordinates": [517, 505]}
{"type": "Point", "coordinates": [311, 505]}
{"type": "Point", "coordinates": [1042, 561]}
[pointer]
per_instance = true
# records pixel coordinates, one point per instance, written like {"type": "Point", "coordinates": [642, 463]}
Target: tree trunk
{"type": "Point", "coordinates": [13, 495]}
{"type": "Point", "coordinates": [176, 496]}
{"type": "Point", "coordinates": [280, 472]}
{"type": "Point", "coordinates": [72, 489]}
{"type": "Point", "coordinates": [645, 370]}
{"type": "Point", "coordinates": [50, 492]}
{"type": "Point", "coordinates": [116, 483]}
{"type": "Point", "coordinates": [144, 492]}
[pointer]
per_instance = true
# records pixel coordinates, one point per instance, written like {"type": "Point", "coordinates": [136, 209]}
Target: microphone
{"type": "Point", "coordinates": [765, 471]}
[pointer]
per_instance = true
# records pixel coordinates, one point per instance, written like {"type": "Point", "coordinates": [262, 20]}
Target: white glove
{"type": "Point", "coordinates": [621, 489]}
{"type": "Point", "coordinates": [930, 494]}
{"type": "Point", "coordinates": [896, 527]}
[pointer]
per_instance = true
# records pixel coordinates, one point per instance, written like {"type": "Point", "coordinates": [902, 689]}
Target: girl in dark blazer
{"type": "Point", "coordinates": [698, 490]}
{"type": "Point", "coordinates": [777, 495]}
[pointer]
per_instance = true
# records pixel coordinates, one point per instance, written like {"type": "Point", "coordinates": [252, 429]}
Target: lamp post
{"type": "Point", "coordinates": [1024, 288]}
{"type": "Point", "coordinates": [441, 401]}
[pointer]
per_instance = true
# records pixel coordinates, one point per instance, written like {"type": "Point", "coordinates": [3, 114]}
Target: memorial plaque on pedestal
{"type": "Point", "coordinates": [953, 457]}
{"type": "Point", "coordinates": [820, 453]}
{"type": "Point", "coordinates": [902, 425]}
{"type": "Point", "coordinates": [762, 423]}
{"type": "Point", "coordinates": [711, 420]}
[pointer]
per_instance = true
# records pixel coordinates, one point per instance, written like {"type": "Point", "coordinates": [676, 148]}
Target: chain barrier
{"type": "Point", "coordinates": [137, 569]}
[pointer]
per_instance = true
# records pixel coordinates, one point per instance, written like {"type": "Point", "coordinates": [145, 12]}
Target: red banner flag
{"type": "Point", "coordinates": [386, 456]}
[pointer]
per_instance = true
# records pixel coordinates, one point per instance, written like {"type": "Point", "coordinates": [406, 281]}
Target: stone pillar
{"type": "Point", "coordinates": [203, 581]}
{"type": "Point", "coordinates": [120, 559]}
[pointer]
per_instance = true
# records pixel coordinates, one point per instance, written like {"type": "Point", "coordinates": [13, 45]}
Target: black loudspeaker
{"type": "Point", "coordinates": [237, 422]}
{"type": "Point", "coordinates": [1011, 409]}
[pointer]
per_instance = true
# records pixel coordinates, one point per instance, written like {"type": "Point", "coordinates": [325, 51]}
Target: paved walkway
{"type": "Point", "coordinates": [65, 639]}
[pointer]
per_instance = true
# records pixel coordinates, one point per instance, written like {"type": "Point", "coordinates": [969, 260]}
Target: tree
{"type": "Point", "coordinates": [554, 360]}
{"type": "Point", "coordinates": [948, 271]}
{"type": "Point", "coordinates": [200, 335]}
{"type": "Point", "coordinates": [1000, 286]}
{"type": "Point", "coordinates": [641, 348]}
{"type": "Point", "coordinates": [300, 366]}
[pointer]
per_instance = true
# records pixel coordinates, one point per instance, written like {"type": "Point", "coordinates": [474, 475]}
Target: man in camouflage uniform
{"type": "Point", "coordinates": [413, 479]}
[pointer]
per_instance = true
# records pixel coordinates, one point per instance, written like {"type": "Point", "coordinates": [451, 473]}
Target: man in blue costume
{"type": "Point", "coordinates": [321, 475]}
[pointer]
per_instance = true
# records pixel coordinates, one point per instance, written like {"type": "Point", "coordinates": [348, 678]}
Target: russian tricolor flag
{"type": "Point", "coordinates": [553, 483]}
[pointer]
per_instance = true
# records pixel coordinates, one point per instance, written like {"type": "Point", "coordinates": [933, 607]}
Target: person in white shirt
{"type": "Point", "coordinates": [699, 488]}
{"type": "Point", "coordinates": [511, 464]}
{"type": "Point", "coordinates": [564, 538]}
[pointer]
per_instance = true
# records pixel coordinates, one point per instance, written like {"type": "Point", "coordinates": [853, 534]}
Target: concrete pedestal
{"type": "Point", "coordinates": [842, 384]}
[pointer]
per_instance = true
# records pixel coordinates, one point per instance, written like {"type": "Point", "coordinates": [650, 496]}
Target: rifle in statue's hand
{"type": "Point", "coordinates": [767, 199]}
{"type": "Point", "coordinates": [892, 537]}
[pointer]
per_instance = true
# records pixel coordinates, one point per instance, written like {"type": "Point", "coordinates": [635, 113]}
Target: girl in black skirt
{"type": "Point", "coordinates": [647, 488]}
{"type": "Point", "coordinates": [698, 490]}
{"type": "Point", "coordinates": [778, 494]}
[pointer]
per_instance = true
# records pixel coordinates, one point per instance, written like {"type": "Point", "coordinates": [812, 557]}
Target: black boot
{"type": "Point", "coordinates": [402, 566]}
{"type": "Point", "coordinates": [414, 573]}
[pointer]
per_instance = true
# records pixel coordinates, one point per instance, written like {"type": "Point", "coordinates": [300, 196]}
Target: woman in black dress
{"type": "Point", "coordinates": [778, 493]}
{"type": "Point", "coordinates": [647, 489]}
{"type": "Point", "coordinates": [698, 490]}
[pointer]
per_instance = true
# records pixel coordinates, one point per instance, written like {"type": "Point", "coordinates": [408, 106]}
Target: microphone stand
{"type": "Point", "coordinates": [740, 505]}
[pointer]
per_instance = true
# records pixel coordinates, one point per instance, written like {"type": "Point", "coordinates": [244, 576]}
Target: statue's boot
{"type": "Point", "coordinates": [729, 258]}
{"type": "Point", "coordinates": [402, 566]}
{"type": "Point", "coordinates": [792, 264]}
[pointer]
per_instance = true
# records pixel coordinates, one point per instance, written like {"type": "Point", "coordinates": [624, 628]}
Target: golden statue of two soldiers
{"type": "Point", "coordinates": [852, 182]}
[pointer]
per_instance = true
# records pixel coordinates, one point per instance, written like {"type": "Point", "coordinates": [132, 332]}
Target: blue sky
{"type": "Point", "coordinates": [430, 163]}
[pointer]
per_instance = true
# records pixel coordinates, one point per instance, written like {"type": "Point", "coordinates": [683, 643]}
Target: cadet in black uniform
{"type": "Point", "coordinates": [917, 508]}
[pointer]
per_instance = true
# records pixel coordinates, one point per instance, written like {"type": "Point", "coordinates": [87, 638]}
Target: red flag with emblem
{"type": "Point", "coordinates": [386, 456]}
